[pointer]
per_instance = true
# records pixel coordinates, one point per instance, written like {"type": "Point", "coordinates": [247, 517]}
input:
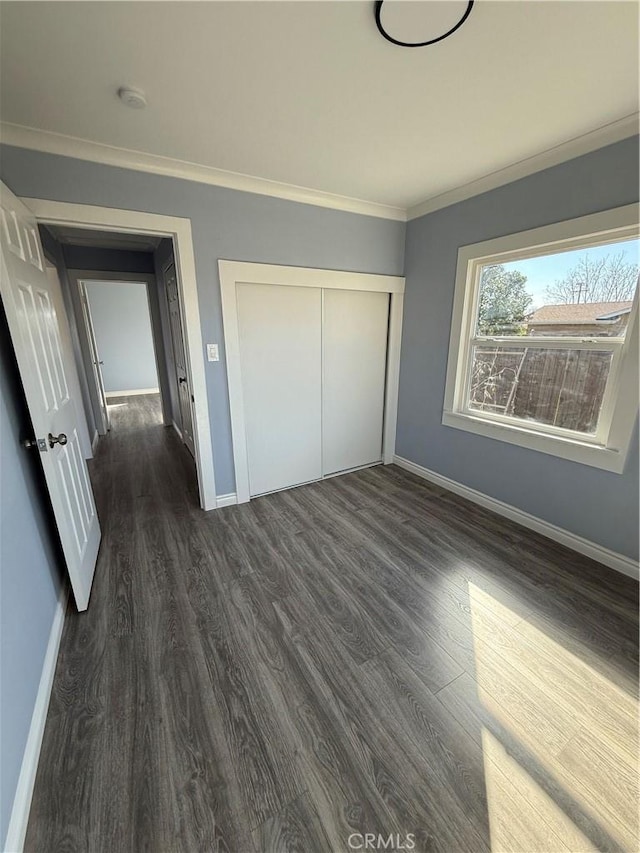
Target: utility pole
{"type": "Point", "coordinates": [578, 290]}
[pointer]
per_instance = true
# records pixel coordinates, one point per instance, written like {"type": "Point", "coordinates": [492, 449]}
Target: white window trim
{"type": "Point", "coordinates": [608, 448]}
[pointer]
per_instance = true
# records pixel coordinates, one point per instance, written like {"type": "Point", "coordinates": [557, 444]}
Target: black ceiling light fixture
{"type": "Point", "coordinates": [449, 32]}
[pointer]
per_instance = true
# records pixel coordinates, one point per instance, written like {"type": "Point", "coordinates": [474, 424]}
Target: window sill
{"type": "Point", "coordinates": [585, 453]}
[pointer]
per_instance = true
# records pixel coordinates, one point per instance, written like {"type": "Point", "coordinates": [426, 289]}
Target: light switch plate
{"type": "Point", "coordinates": [212, 352]}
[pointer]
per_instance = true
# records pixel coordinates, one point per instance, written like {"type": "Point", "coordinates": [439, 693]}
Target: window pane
{"type": "Point", "coordinates": [584, 293]}
{"type": "Point", "coordinates": [559, 387]}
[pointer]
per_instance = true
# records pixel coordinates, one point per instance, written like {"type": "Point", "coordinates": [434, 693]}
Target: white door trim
{"type": "Point", "coordinates": [396, 309]}
{"type": "Point", "coordinates": [238, 272]}
{"type": "Point", "coordinates": [112, 219]}
{"type": "Point", "coordinates": [251, 273]}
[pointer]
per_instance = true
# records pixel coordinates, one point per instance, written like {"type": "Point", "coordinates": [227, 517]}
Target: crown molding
{"type": "Point", "coordinates": [599, 138]}
{"type": "Point", "coordinates": [125, 158]}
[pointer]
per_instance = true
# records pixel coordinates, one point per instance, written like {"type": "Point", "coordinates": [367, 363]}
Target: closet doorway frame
{"type": "Point", "coordinates": [233, 273]}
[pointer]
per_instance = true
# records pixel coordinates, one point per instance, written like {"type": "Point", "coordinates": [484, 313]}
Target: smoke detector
{"type": "Point", "coordinates": [134, 98]}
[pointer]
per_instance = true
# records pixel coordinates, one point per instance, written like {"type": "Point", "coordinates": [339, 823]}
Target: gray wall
{"type": "Point", "coordinates": [107, 260]}
{"type": "Point", "coordinates": [122, 326]}
{"type": "Point", "coordinates": [30, 576]}
{"type": "Point", "coordinates": [225, 224]}
{"type": "Point", "coordinates": [598, 505]}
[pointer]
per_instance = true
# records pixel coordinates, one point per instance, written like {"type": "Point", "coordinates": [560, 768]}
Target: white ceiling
{"type": "Point", "coordinates": [104, 239]}
{"type": "Point", "coordinates": [309, 93]}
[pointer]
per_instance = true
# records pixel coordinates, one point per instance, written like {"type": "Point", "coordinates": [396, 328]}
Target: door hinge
{"type": "Point", "coordinates": [40, 443]}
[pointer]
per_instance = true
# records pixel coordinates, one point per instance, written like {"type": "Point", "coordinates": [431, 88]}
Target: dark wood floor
{"type": "Point", "coordinates": [368, 654]}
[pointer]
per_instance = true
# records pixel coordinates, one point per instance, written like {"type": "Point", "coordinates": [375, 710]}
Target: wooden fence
{"type": "Point", "coordinates": [563, 388]}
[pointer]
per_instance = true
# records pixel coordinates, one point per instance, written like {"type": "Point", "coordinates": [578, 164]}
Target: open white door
{"type": "Point", "coordinates": [68, 358]}
{"type": "Point", "coordinates": [179, 357]}
{"type": "Point", "coordinates": [102, 414]}
{"type": "Point", "coordinates": [30, 308]}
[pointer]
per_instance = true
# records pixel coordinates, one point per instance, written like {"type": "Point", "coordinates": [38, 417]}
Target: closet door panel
{"type": "Point", "coordinates": [355, 331]}
{"type": "Point", "coordinates": [280, 356]}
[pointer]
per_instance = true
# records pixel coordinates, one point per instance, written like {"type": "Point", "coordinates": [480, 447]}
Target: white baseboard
{"type": "Point", "coordinates": [26, 781]}
{"type": "Point", "coordinates": [612, 559]}
{"type": "Point", "coordinates": [177, 429]}
{"type": "Point", "coordinates": [133, 392]}
{"type": "Point", "coordinates": [94, 441]}
{"type": "Point", "coordinates": [226, 500]}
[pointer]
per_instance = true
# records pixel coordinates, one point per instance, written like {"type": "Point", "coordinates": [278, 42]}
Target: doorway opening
{"type": "Point", "coordinates": [170, 238]}
{"type": "Point", "coordinates": [52, 255]}
{"type": "Point", "coordinates": [126, 315]}
{"type": "Point", "coordinates": [118, 327]}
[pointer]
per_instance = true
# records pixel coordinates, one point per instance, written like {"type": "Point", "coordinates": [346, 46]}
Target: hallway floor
{"type": "Point", "coordinates": [366, 654]}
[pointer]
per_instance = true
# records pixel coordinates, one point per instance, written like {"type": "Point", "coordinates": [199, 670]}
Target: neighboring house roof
{"type": "Point", "coordinates": [579, 314]}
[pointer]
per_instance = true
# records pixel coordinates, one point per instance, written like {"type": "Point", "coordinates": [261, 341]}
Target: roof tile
{"type": "Point", "coordinates": [584, 312]}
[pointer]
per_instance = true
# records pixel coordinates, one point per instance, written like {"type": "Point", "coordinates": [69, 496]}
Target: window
{"type": "Point", "coordinates": [544, 349]}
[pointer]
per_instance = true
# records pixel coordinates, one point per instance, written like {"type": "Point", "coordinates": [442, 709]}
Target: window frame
{"type": "Point", "coordinates": [607, 448]}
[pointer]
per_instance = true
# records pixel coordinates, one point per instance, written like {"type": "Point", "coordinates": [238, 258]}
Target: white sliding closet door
{"type": "Point", "coordinates": [354, 345]}
{"type": "Point", "coordinates": [280, 359]}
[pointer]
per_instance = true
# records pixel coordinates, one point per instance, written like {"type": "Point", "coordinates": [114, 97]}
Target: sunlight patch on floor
{"type": "Point", "coordinates": [521, 815]}
{"type": "Point", "coordinates": [579, 727]}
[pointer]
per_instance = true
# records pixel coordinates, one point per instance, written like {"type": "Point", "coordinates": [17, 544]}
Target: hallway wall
{"type": "Point", "coordinates": [107, 260]}
{"type": "Point", "coordinates": [122, 326]}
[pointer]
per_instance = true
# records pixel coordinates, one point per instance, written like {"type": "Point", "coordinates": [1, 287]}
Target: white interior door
{"type": "Point", "coordinates": [102, 415]}
{"type": "Point", "coordinates": [354, 347]}
{"type": "Point", "coordinates": [31, 315]}
{"type": "Point", "coordinates": [68, 359]}
{"type": "Point", "coordinates": [280, 358]}
{"type": "Point", "coordinates": [179, 357]}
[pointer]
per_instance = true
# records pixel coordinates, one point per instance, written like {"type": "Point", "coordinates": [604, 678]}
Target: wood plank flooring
{"type": "Point", "coordinates": [367, 654]}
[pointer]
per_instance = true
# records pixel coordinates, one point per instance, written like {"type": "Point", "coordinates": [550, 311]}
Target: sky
{"type": "Point", "coordinates": [543, 271]}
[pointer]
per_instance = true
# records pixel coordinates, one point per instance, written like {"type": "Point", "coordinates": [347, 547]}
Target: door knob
{"type": "Point", "coordinates": [57, 439]}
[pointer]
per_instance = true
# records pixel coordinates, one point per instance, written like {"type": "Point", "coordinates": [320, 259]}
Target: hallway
{"type": "Point", "coordinates": [366, 654]}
